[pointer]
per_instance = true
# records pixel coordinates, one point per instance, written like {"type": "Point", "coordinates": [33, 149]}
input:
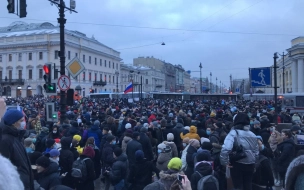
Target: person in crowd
{"type": "Point", "coordinates": [108, 158]}
{"type": "Point", "coordinates": [29, 145]}
{"type": "Point", "coordinates": [295, 131]}
{"type": "Point", "coordinates": [87, 155]}
{"type": "Point", "coordinates": [177, 130]}
{"type": "Point", "coordinates": [97, 165]}
{"type": "Point", "coordinates": [209, 122]}
{"type": "Point", "coordinates": [191, 152]}
{"type": "Point", "coordinates": [169, 178]}
{"type": "Point", "coordinates": [184, 153]}
{"type": "Point", "coordinates": [54, 134]}
{"type": "Point", "coordinates": [295, 174]}
{"type": "Point", "coordinates": [127, 137]}
{"type": "Point", "coordinates": [40, 144]}
{"type": "Point", "coordinates": [242, 169]}
{"type": "Point", "coordinates": [170, 142]}
{"type": "Point", "coordinates": [192, 134]}
{"type": "Point", "coordinates": [164, 156]}
{"type": "Point", "coordinates": [50, 144]}
{"type": "Point", "coordinates": [95, 132]}
{"type": "Point", "coordinates": [66, 160]}
{"type": "Point", "coordinates": [256, 129]}
{"type": "Point", "coordinates": [287, 153]}
{"type": "Point", "coordinates": [132, 147]}
{"type": "Point", "coordinates": [105, 133]}
{"type": "Point", "coordinates": [54, 156]}
{"type": "Point", "coordinates": [75, 143]}
{"type": "Point", "coordinates": [118, 174]}
{"type": "Point", "coordinates": [47, 173]}
{"type": "Point", "coordinates": [12, 148]}
{"type": "Point", "coordinates": [140, 173]}
{"type": "Point", "coordinates": [145, 143]}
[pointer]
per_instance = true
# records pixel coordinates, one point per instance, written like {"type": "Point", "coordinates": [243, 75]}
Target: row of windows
{"type": "Point", "coordinates": [30, 57]}
{"type": "Point", "coordinates": [105, 79]}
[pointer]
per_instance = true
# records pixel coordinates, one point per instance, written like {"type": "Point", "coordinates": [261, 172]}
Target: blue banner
{"type": "Point", "coordinates": [260, 77]}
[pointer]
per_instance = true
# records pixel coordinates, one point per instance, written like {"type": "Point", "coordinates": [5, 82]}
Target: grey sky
{"type": "Point", "coordinates": [274, 22]}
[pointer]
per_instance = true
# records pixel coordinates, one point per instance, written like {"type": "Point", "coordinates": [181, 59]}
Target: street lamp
{"type": "Point", "coordinates": [210, 83]}
{"type": "Point", "coordinates": [216, 85]}
{"type": "Point", "coordinates": [131, 75]}
{"type": "Point", "coordinates": [283, 56]}
{"type": "Point", "coordinates": [117, 74]}
{"type": "Point", "coordinates": [201, 82]}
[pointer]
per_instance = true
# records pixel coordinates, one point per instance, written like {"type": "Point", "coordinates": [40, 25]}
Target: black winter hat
{"type": "Point", "coordinates": [43, 161]}
{"type": "Point", "coordinates": [50, 143]}
{"type": "Point", "coordinates": [110, 138]}
{"type": "Point", "coordinates": [241, 119]}
{"type": "Point", "coordinates": [117, 151]}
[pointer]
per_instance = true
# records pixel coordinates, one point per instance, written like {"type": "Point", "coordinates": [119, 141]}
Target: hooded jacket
{"type": "Point", "coordinates": [192, 134]}
{"type": "Point", "coordinates": [249, 142]}
{"type": "Point", "coordinates": [173, 148]}
{"type": "Point", "coordinates": [12, 148]}
{"type": "Point", "coordinates": [124, 143]}
{"type": "Point", "coordinates": [96, 133]}
{"type": "Point", "coordinates": [167, 180]}
{"type": "Point", "coordinates": [204, 169]}
{"type": "Point", "coordinates": [287, 152]}
{"type": "Point", "coordinates": [163, 160]}
{"type": "Point", "coordinates": [119, 169]}
{"type": "Point", "coordinates": [50, 177]}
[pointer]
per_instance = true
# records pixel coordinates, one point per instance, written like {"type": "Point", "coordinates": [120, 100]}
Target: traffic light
{"type": "Point", "coordinates": [11, 6]}
{"type": "Point", "coordinates": [49, 87]}
{"type": "Point", "coordinates": [23, 12]}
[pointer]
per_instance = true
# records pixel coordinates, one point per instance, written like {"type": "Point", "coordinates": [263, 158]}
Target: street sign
{"type": "Point", "coordinates": [64, 83]}
{"type": "Point", "coordinates": [260, 77]}
{"type": "Point", "coordinates": [75, 67]}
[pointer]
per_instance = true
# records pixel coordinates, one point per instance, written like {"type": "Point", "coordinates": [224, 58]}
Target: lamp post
{"type": "Point", "coordinates": [117, 74]}
{"type": "Point", "coordinates": [283, 56]}
{"type": "Point", "coordinates": [201, 82]}
{"type": "Point", "coordinates": [210, 83]}
{"type": "Point", "coordinates": [216, 85]}
{"type": "Point", "coordinates": [220, 86]}
{"type": "Point", "coordinates": [275, 57]}
{"type": "Point", "coordinates": [230, 83]}
{"type": "Point", "coordinates": [131, 75]}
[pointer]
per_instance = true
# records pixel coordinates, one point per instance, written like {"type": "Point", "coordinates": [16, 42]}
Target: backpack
{"type": "Point", "coordinates": [208, 182]}
{"type": "Point", "coordinates": [79, 169]}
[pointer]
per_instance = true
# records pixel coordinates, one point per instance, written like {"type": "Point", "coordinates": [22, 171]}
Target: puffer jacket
{"type": "Point", "coordinates": [124, 143]}
{"type": "Point", "coordinates": [192, 134]}
{"type": "Point", "coordinates": [168, 180]}
{"type": "Point", "coordinates": [163, 160]}
{"type": "Point", "coordinates": [173, 148]}
{"type": "Point", "coordinates": [119, 169]}
{"type": "Point", "coordinates": [50, 177]}
{"type": "Point", "coordinates": [183, 158]}
{"type": "Point", "coordinates": [295, 174]}
{"type": "Point", "coordinates": [249, 142]}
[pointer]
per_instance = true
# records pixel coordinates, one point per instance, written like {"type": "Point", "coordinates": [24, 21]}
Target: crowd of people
{"type": "Point", "coordinates": [152, 144]}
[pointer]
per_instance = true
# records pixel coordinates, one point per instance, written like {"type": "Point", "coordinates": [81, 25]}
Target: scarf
{"type": "Point", "coordinates": [274, 141]}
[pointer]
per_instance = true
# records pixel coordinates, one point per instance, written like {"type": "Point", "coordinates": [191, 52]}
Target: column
{"type": "Point", "coordinates": [294, 73]}
{"type": "Point", "coordinates": [4, 59]}
{"type": "Point", "coordinates": [300, 75]}
{"type": "Point", "coordinates": [14, 60]}
{"type": "Point", "coordinates": [24, 64]}
{"type": "Point", "coordinates": [34, 60]}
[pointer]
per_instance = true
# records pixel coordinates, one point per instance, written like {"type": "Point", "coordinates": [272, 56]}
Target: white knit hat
{"type": "Point", "coordinates": [203, 139]}
{"type": "Point", "coordinates": [170, 137]}
{"type": "Point", "coordinates": [128, 126]}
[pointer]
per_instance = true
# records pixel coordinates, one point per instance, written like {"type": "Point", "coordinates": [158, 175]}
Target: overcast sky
{"type": "Point", "coordinates": [226, 36]}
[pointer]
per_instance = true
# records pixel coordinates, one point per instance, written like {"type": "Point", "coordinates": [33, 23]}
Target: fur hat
{"type": "Point", "coordinates": [170, 137]}
{"type": "Point", "coordinates": [12, 116]}
{"type": "Point", "coordinates": [9, 176]}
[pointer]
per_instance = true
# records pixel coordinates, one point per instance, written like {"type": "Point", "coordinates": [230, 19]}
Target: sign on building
{"type": "Point", "coordinates": [260, 77]}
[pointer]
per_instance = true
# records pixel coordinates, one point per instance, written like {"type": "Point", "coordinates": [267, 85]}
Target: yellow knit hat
{"type": "Point", "coordinates": [175, 164]}
{"type": "Point", "coordinates": [77, 138]}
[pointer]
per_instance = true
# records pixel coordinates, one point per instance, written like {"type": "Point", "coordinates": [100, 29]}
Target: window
{"type": "Point", "coordinates": [69, 55]}
{"type": "Point", "coordinates": [109, 78]}
{"type": "Point", "coordinates": [95, 61]}
{"type": "Point", "coordinates": [105, 63]}
{"type": "Point", "coordinates": [90, 76]}
{"type": "Point", "coordinates": [83, 58]}
{"type": "Point", "coordinates": [90, 59]}
{"type": "Point", "coordinates": [109, 64]}
{"type": "Point", "coordinates": [113, 65]}
{"type": "Point", "coordinates": [100, 61]}
{"type": "Point", "coordinates": [95, 77]}
{"type": "Point", "coordinates": [100, 77]}
{"type": "Point", "coordinates": [0, 74]}
{"type": "Point", "coordinates": [0, 58]}
{"type": "Point", "coordinates": [116, 66]}
{"type": "Point", "coordinates": [56, 54]}
{"type": "Point", "coordinates": [113, 79]}
{"type": "Point", "coordinates": [105, 79]}
{"type": "Point", "coordinates": [10, 74]}
{"type": "Point", "coordinates": [83, 76]}
{"type": "Point", "coordinates": [30, 76]}
{"type": "Point", "coordinates": [55, 73]}
{"type": "Point", "coordinates": [19, 56]}
{"type": "Point", "coordinates": [40, 73]}
{"type": "Point", "coordinates": [147, 81]}
{"type": "Point", "coordinates": [19, 74]}
{"type": "Point", "coordinates": [40, 55]}
{"type": "Point", "coordinates": [76, 54]}
{"type": "Point", "coordinates": [10, 57]}
{"type": "Point", "coordinates": [30, 56]}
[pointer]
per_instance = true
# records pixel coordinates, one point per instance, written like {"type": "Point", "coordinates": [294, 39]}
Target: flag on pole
{"type": "Point", "coordinates": [129, 88]}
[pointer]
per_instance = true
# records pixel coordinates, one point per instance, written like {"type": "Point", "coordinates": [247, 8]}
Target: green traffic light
{"type": "Point", "coordinates": [54, 115]}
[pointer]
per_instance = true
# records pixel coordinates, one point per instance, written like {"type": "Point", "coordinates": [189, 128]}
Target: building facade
{"type": "Point", "coordinates": [25, 48]}
{"type": "Point", "coordinates": [152, 80]}
{"type": "Point", "coordinates": [179, 76]}
{"type": "Point", "coordinates": [169, 77]}
{"type": "Point", "coordinates": [187, 81]}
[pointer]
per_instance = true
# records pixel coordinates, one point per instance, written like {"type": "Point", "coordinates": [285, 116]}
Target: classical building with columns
{"type": "Point", "coordinates": [25, 48]}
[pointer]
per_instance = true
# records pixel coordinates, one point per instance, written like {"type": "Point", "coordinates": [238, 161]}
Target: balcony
{"type": "Point", "coordinates": [99, 83]}
{"type": "Point", "coordinates": [159, 86]}
{"type": "Point", "coordinates": [12, 82]}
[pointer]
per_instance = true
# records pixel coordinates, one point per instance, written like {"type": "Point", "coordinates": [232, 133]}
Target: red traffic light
{"type": "Point", "coordinates": [46, 69]}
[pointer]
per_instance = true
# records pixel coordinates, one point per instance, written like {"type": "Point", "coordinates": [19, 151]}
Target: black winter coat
{"type": "Point", "coordinates": [50, 177]}
{"type": "Point", "coordinates": [168, 129]}
{"type": "Point", "coordinates": [178, 129]}
{"type": "Point", "coordinates": [263, 175]}
{"type": "Point", "coordinates": [132, 147]}
{"type": "Point", "coordinates": [287, 152]}
{"type": "Point", "coordinates": [146, 146]}
{"type": "Point", "coordinates": [66, 160]}
{"type": "Point", "coordinates": [204, 169]}
{"type": "Point", "coordinates": [40, 144]}
{"type": "Point", "coordinates": [89, 182]}
{"type": "Point", "coordinates": [12, 148]}
{"type": "Point", "coordinates": [191, 151]}
{"type": "Point", "coordinates": [119, 169]}
{"type": "Point", "coordinates": [107, 156]}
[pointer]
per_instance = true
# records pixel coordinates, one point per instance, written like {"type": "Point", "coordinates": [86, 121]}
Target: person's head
{"type": "Point", "coordinates": [14, 118]}
{"type": "Point", "coordinates": [139, 155]}
{"type": "Point", "coordinates": [90, 141]}
{"type": "Point", "coordinates": [260, 143]}
{"type": "Point", "coordinates": [42, 164]}
{"type": "Point", "coordinates": [54, 154]}
{"type": "Point", "coordinates": [185, 141]}
{"type": "Point", "coordinates": [208, 131]}
{"type": "Point", "coordinates": [286, 134]}
{"type": "Point", "coordinates": [218, 125]}
{"type": "Point", "coordinates": [55, 129]}
{"type": "Point", "coordinates": [28, 143]}
{"type": "Point", "coordinates": [195, 143]}
{"type": "Point", "coordinates": [111, 139]}
{"type": "Point", "coordinates": [170, 137]}
{"type": "Point", "coordinates": [105, 130]}
{"type": "Point", "coordinates": [50, 143]}
{"type": "Point", "coordinates": [89, 152]}
{"type": "Point", "coordinates": [77, 138]}
{"type": "Point", "coordinates": [117, 152]}
{"type": "Point", "coordinates": [175, 164]}
{"type": "Point", "coordinates": [295, 129]}
{"type": "Point", "coordinates": [161, 148]}
{"type": "Point", "coordinates": [256, 124]}
{"type": "Point", "coordinates": [136, 136]}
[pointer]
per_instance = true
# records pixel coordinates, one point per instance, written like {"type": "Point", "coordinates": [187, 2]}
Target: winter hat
{"type": "Point", "coordinates": [128, 126]}
{"type": "Point", "coordinates": [139, 155]}
{"type": "Point", "coordinates": [54, 153]}
{"type": "Point", "coordinates": [135, 135]}
{"type": "Point", "coordinates": [9, 176]}
{"type": "Point", "coordinates": [155, 123]}
{"type": "Point", "coordinates": [256, 122]}
{"type": "Point", "coordinates": [77, 138]}
{"type": "Point", "coordinates": [203, 156]}
{"type": "Point", "coordinates": [203, 139]}
{"type": "Point", "coordinates": [28, 142]}
{"type": "Point", "coordinates": [161, 146]}
{"type": "Point", "coordinates": [187, 128]}
{"type": "Point", "coordinates": [32, 135]}
{"type": "Point", "coordinates": [117, 151]}
{"type": "Point", "coordinates": [43, 161]}
{"type": "Point", "coordinates": [12, 116]}
{"type": "Point", "coordinates": [50, 143]}
{"type": "Point", "coordinates": [212, 114]}
{"type": "Point", "coordinates": [143, 130]}
{"type": "Point", "coordinates": [241, 119]}
{"type": "Point", "coordinates": [175, 164]}
{"type": "Point", "coordinates": [96, 123]}
{"type": "Point", "coordinates": [295, 128]}
{"type": "Point", "coordinates": [170, 114]}
{"type": "Point", "coordinates": [89, 152]}
{"type": "Point", "coordinates": [57, 140]}
{"type": "Point", "coordinates": [146, 125]}
{"type": "Point", "coordinates": [170, 137]}
{"type": "Point", "coordinates": [186, 140]}
{"type": "Point", "coordinates": [195, 143]}
{"type": "Point", "coordinates": [45, 129]}
{"type": "Point", "coordinates": [129, 133]}
{"type": "Point", "coordinates": [110, 138]}
{"type": "Point", "coordinates": [207, 146]}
